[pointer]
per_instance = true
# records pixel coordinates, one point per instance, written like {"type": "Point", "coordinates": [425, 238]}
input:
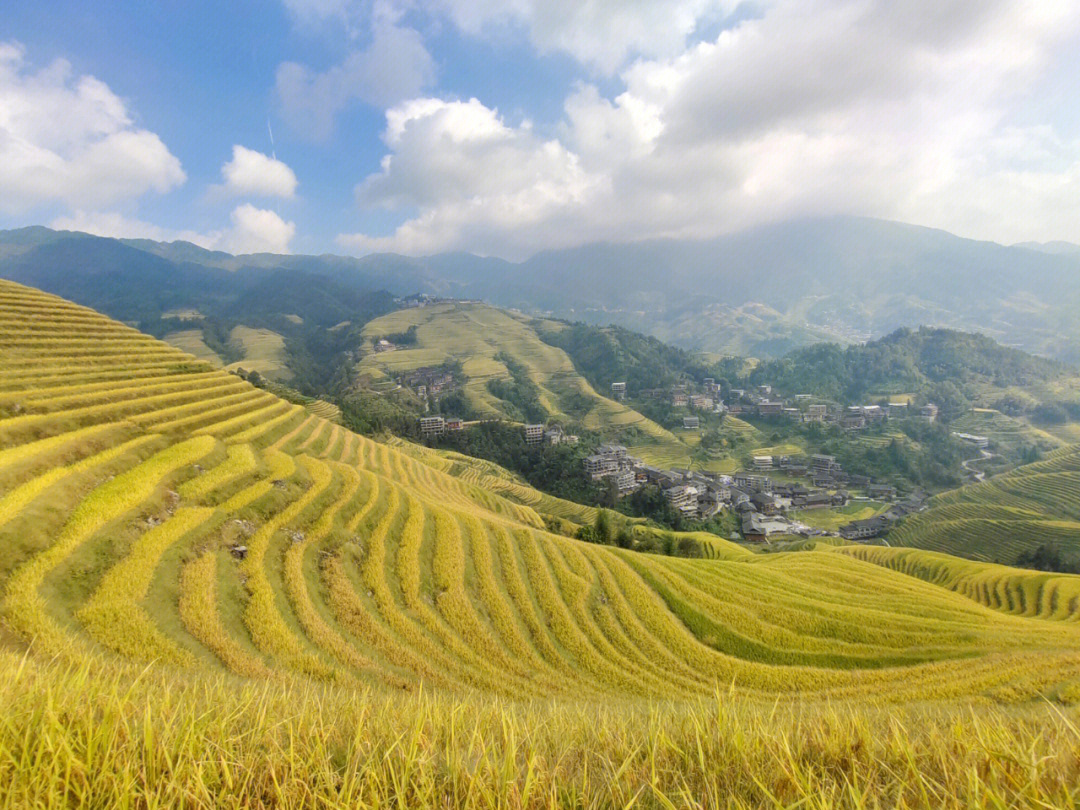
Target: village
{"type": "Point", "coordinates": [765, 498]}
{"type": "Point", "coordinates": [763, 501]}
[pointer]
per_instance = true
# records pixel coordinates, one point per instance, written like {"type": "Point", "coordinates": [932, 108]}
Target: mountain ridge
{"type": "Point", "coordinates": [760, 292]}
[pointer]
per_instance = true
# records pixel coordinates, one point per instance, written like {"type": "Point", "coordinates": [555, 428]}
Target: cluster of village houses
{"type": "Point", "coordinates": [760, 401]}
{"type": "Point", "coordinates": [763, 504]}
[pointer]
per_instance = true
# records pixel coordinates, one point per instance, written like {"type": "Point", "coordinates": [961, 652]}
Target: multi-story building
{"type": "Point", "coordinates": [618, 391]}
{"type": "Point", "coordinates": [824, 465]}
{"type": "Point", "coordinates": [864, 529]}
{"type": "Point", "coordinates": [929, 412]}
{"type": "Point", "coordinates": [534, 434]}
{"type": "Point", "coordinates": [982, 442]}
{"type": "Point", "coordinates": [432, 426]}
{"type": "Point", "coordinates": [608, 459]}
{"type": "Point", "coordinates": [597, 466]}
{"type": "Point", "coordinates": [770, 408]}
{"type": "Point", "coordinates": [691, 423]}
{"type": "Point", "coordinates": [625, 481]}
{"type": "Point", "coordinates": [682, 497]}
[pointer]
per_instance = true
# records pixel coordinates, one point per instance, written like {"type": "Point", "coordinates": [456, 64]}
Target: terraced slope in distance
{"type": "Point", "coordinates": [476, 334]}
{"type": "Point", "coordinates": [1012, 590]}
{"type": "Point", "coordinates": [132, 475]}
{"type": "Point", "coordinates": [263, 351]}
{"type": "Point", "coordinates": [999, 519]}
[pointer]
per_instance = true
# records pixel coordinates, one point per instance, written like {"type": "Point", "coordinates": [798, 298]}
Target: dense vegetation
{"type": "Point", "coordinates": [942, 365]}
{"type": "Point", "coordinates": [604, 355]}
{"type": "Point", "coordinates": [555, 469]}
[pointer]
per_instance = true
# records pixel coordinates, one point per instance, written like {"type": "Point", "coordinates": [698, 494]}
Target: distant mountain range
{"type": "Point", "coordinates": [761, 292]}
{"type": "Point", "coordinates": [1053, 248]}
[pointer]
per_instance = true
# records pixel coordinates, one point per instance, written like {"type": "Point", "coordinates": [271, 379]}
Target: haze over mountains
{"type": "Point", "coordinates": [761, 292]}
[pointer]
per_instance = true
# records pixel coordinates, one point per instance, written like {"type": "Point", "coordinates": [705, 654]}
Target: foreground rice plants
{"type": "Point", "coordinates": [209, 597]}
{"type": "Point", "coordinates": [109, 736]}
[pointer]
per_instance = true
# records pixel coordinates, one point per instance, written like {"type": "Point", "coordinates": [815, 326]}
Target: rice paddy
{"type": "Point", "coordinates": [475, 334]}
{"type": "Point", "coordinates": [999, 519]}
{"type": "Point", "coordinates": [263, 351]}
{"type": "Point", "coordinates": [193, 565]}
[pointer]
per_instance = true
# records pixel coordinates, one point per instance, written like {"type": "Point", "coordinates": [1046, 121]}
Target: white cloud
{"type": "Point", "coordinates": [253, 230]}
{"type": "Point", "coordinates": [395, 65]}
{"type": "Point", "coordinates": [253, 173]}
{"type": "Point", "coordinates": [600, 33]}
{"type": "Point", "coordinates": [817, 107]}
{"type": "Point", "coordinates": [257, 230]}
{"type": "Point", "coordinates": [480, 182]}
{"type": "Point", "coordinates": [72, 139]}
{"type": "Point", "coordinates": [117, 226]}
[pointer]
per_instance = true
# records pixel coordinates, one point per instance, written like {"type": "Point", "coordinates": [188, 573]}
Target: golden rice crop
{"type": "Point", "coordinates": [112, 614]}
{"type": "Point", "coordinates": [199, 612]}
{"type": "Point", "coordinates": [268, 629]}
{"type": "Point", "coordinates": [23, 608]}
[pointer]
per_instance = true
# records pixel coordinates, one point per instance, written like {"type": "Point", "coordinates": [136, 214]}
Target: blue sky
{"type": "Point", "coordinates": [504, 128]}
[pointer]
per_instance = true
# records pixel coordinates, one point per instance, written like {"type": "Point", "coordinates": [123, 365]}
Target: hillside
{"type": "Point", "coordinates": [912, 360]}
{"type": "Point", "coordinates": [131, 473]}
{"type": "Point", "coordinates": [509, 372]}
{"type": "Point", "coordinates": [193, 565]}
{"type": "Point", "coordinates": [761, 292]}
{"type": "Point", "coordinates": [1005, 516]}
{"type": "Point", "coordinates": [845, 277]}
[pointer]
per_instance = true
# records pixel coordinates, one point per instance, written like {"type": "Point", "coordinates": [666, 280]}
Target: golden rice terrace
{"type": "Point", "coordinates": [156, 509]}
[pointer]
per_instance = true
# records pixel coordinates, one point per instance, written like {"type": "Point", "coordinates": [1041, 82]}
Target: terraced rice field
{"type": "Point", "coordinates": [1005, 432]}
{"type": "Point", "coordinates": [191, 341]}
{"type": "Point", "coordinates": [263, 350]}
{"type": "Point", "coordinates": [380, 639]}
{"type": "Point", "coordinates": [475, 334]}
{"type": "Point", "coordinates": [831, 519]}
{"type": "Point", "coordinates": [999, 519]}
{"type": "Point", "coordinates": [131, 473]}
{"type": "Point", "coordinates": [326, 410]}
{"type": "Point", "coordinates": [1016, 591]}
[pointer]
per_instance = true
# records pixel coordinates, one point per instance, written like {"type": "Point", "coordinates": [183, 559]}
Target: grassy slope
{"type": "Point", "coordinates": [1005, 432]}
{"type": "Point", "coordinates": [475, 334]}
{"type": "Point", "coordinates": [191, 341]}
{"type": "Point", "coordinates": [264, 352]}
{"type": "Point", "coordinates": [1004, 516]}
{"type": "Point", "coordinates": [127, 468]}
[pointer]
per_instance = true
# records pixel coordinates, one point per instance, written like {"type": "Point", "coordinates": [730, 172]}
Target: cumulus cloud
{"type": "Point", "coordinates": [257, 230]}
{"type": "Point", "coordinates": [600, 33]}
{"type": "Point", "coordinates": [394, 66]}
{"type": "Point", "coordinates": [475, 178]}
{"type": "Point", "coordinates": [253, 230]}
{"type": "Point", "coordinates": [253, 173]}
{"type": "Point", "coordinates": [70, 138]}
{"type": "Point", "coordinates": [815, 107]}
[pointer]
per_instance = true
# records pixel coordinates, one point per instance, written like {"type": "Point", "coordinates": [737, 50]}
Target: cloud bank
{"type": "Point", "coordinates": [253, 230]}
{"type": "Point", "coordinates": [906, 111]}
